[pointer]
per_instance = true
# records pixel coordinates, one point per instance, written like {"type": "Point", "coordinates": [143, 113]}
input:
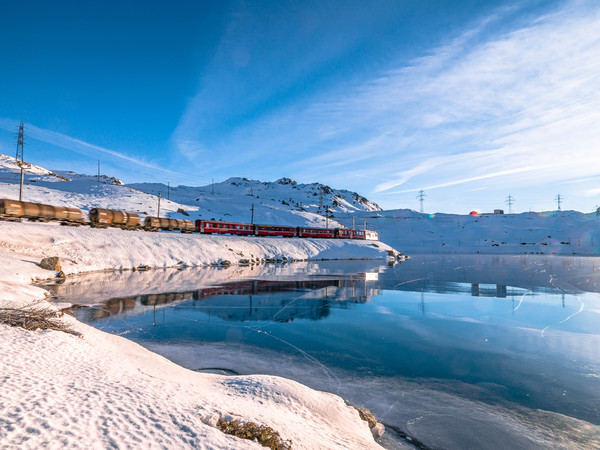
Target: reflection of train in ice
{"type": "Point", "coordinates": [248, 300]}
{"type": "Point", "coordinates": [102, 218]}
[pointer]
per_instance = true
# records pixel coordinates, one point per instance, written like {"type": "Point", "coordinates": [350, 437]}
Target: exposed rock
{"type": "Point", "coordinates": [225, 262]}
{"type": "Point", "coordinates": [377, 429]}
{"type": "Point", "coordinates": [51, 263]}
{"type": "Point", "coordinates": [182, 211]}
{"type": "Point", "coordinates": [285, 181]}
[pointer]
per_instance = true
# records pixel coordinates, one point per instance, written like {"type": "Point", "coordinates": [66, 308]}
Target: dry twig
{"type": "Point", "coordinates": [35, 317]}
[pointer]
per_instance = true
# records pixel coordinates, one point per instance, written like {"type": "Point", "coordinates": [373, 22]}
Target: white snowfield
{"type": "Point", "coordinates": [100, 391]}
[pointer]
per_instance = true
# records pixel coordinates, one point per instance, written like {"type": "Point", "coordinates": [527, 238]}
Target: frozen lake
{"type": "Point", "coordinates": [447, 351]}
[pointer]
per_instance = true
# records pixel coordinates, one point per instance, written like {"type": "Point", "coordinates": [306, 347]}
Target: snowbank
{"type": "Point", "coordinates": [100, 390]}
{"type": "Point", "coordinates": [85, 249]}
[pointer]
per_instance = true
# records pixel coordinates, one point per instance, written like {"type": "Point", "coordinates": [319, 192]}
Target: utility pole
{"type": "Point", "coordinates": [98, 171]}
{"type": "Point", "coordinates": [21, 185]}
{"type": "Point", "coordinates": [252, 217]}
{"type": "Point", "coordinates": [19, 158]}
{"type": "Point", "coordinates": [558, 199]}
{"type": "Point", "coordinates": [320, 198]}
{"type": "Point", "coordinates": [158, 211]}
{"type": "Point", "coordinates": [353, 222]}
{"type": "Point", "coordinates": [20, 140]}
{"type": "Point", "coordinates": [509, 201]}
{"type": "Point", "coordinates": [168, 190]}
{"type": "Point", "coordinates": [327, 217]}
{"type": "Point", "coordinates": [365, 223]}
{"type": "Point", "coordinates": [421, 197]}
{"type": "Point", "coordinates": [213, 186]}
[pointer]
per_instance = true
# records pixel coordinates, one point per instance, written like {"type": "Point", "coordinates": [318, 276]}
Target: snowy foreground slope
{"type": "Point", "coordinates": [99, 390]}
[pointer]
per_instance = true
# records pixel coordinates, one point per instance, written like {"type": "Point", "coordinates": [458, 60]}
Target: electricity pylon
{"type": "Point", "coordinates": [421, 197]}
{"type": "Point", "coordinates": [509, 201]}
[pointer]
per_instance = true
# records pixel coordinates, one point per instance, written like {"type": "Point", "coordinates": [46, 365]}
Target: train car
{"type": "Point", "coordinates": [11, 210]}
{"type": "Point", "coordinates": [163, 223]}
{"type": "Point", "coordinates": [368, 235]}
{"type": "Point", "coordinates": [315, 232]}
{"type": "Point", "coordinates": [102, 218]}
{"type": "Point", "coordinates": [15, 210]}
{"type": "Point", "coordinates": [343, 233]}
{"type": "Point", "coordinates": [371, 235]}
{"type": "Point", "coordinates": [275, 230]}
{"type": "Point", "coordinates": [218, 227]}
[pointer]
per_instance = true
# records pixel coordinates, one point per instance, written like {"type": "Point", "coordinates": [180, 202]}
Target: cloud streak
{"type": "Point", "coordinates": [69, 143]}
{"type": "Point", "coordinates": [508, 100]}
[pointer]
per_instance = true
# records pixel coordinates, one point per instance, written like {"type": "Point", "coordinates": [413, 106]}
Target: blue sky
{"type": "Point", "coordinates": [468, 100]}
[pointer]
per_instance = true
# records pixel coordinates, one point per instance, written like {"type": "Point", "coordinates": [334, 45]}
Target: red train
{"type": "Point", "coordinates": [14, 210]}
{"type": "Point", "coordinates": [248, 229]}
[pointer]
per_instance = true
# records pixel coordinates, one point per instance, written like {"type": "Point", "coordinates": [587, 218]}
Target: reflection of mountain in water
{"type": "Point", "coordinates": [248, 300]}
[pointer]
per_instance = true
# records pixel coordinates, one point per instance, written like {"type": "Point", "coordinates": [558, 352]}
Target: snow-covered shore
{"type": "Point", "coordinates": [84, 249]}
{"type": "Point", "coordinates": [100, 390]}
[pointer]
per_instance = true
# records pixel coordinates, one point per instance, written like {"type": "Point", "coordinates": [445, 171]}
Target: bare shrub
{"type": "Point", "coordinates": [264, 435]}
{"type": "Point", "coordinates": [35, 317]}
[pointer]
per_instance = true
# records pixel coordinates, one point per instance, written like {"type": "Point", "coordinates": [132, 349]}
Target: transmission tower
{"type": "Point", "coordinates": [20, 143]}
{"type": "Point", "coordinates": [509, 201]}
{"type": "Point", "coordinates": [558, 199]}
{"type": "Point", "coordinates": [421, 197]}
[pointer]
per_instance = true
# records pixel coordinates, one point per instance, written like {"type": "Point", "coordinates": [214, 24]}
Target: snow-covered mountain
{"type": "Point", "coordinates": [282, 202]}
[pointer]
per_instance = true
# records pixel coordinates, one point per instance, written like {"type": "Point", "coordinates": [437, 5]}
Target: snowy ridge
{"type": "Point", "coordinates": [550, 233]}
{"type": "Point", "coordinates": [280, 202]}
{"type": "Point", "coordinates": [12, 164]}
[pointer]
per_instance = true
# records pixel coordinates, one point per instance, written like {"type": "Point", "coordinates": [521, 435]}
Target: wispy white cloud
{"type": "Point", "coordinates": [72, 144]}
{"type": "Point", "coordinates": [505, 102]}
